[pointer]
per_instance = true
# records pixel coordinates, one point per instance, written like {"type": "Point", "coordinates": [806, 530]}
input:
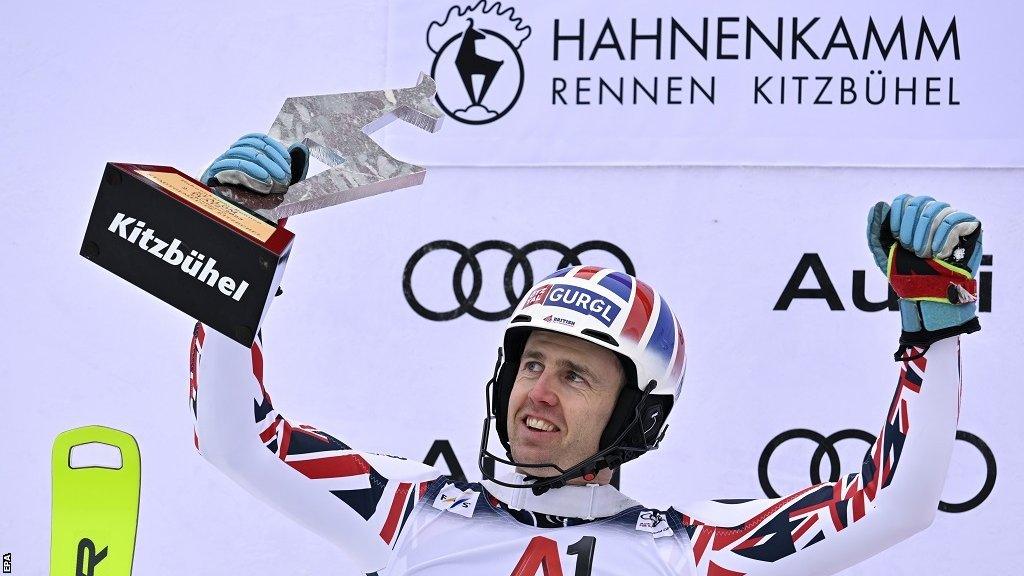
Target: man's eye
{"type": "Point", "coordinates": [533, 366]}
{"type": "Point", "coordinates": [575, 377]}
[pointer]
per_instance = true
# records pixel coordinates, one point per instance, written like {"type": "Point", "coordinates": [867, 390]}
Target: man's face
{"type": "Point", "coordinates": [562, 399]}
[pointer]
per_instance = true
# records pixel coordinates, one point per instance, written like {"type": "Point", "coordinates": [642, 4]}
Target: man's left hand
{"type": "Point", "coordinates": [930, 253]}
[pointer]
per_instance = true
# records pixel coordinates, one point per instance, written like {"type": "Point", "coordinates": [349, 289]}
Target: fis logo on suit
{"type": "Point", "coordinates": [477, 66]}
{"type": "Point", "coordinates": [812, 281]}
{"type": "Point", "coordinates": [489, 278]}
{"type": "Point", "coordinates": [825, 448]}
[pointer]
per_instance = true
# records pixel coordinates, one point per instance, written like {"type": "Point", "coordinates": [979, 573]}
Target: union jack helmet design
{"type": "Point", "coordinates": [617, 312]}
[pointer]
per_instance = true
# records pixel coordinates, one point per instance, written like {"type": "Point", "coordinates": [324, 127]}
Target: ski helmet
{"type": "Point", "coordinates": [619, 313]}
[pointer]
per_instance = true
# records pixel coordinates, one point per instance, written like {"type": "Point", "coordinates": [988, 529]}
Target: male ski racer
{"type": "Point", "coordinates": [592, 363]}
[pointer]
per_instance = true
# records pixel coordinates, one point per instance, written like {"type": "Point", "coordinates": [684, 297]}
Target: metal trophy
{"type": "Point", "coordinates": [219, 254]}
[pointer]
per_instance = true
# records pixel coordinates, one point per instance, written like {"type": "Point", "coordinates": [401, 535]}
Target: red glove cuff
{"type": "Point", "coordinates": [916, 287]}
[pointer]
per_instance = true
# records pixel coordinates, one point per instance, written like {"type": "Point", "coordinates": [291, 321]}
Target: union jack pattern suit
{"type": "Point", "coordinates": [361, 501]}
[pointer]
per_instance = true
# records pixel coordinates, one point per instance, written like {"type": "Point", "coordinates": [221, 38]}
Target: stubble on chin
{"type": "Point", "coordinates": [542, 457]}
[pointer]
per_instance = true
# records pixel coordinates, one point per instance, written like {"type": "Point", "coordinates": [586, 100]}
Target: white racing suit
{"type": "Point", "coordinates": [394, 516]}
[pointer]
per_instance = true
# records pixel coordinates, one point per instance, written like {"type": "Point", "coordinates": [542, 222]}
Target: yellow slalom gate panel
{"type": "Point", "coordinates": [95, 509]}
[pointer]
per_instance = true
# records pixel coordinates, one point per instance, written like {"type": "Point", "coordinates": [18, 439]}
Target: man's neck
{"type": "Point", "coordinates": [603, 477]}
{"type": "Point", "coordinates": [575, 501]}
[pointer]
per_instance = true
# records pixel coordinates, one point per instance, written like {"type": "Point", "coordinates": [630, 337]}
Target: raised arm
{"type": "Point", "coordinates": [828, 527]}
{"type": "Point", "coordinates": [357, 500]}
{"type": "Point", "coordinates": [931, 254]}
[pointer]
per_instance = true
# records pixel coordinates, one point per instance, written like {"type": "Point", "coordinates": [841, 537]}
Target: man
{"type": "Point", "coordinates": [591, 364]}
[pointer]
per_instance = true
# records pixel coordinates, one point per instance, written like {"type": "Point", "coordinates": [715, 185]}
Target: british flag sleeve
{"type": "Point", "coordinates": [357, 500]}
{"type": "Point", "coordinates": [825, 528]}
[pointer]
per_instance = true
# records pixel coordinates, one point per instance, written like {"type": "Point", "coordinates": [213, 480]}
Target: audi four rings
{"type": "Point", "coordinates": [826, 448]}
{"type": "Point", "coordinates": [518, 258]}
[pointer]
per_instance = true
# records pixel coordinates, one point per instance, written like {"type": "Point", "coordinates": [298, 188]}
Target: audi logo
{"type": "Point", "coordinates": [518, 259]}
{"type": "Point", "coordinates": [826, 447]}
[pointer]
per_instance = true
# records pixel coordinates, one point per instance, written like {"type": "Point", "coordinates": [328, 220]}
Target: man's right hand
{"type": "Point", "coordinates": [259, 163]}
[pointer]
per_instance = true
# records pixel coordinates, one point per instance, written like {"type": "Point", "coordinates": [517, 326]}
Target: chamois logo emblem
{"type": "Point", "coordinates": [477, 66]}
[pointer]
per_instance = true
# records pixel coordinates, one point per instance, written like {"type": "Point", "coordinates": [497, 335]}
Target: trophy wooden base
{"type": "Point", "coordinates": [173, 237]}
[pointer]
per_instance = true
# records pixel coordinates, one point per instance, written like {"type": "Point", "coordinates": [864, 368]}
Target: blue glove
{"type": "Point", "coordinates": [259, 163]}
{"type": "Point", "coordinates": [930, 253]}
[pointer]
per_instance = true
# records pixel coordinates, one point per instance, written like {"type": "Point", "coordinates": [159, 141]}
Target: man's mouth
{"type": "Point", "coordinates": [534, 423]}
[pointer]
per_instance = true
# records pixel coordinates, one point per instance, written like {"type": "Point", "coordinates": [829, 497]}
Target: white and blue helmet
{"type": "Point", "coordinates": [617, 312]}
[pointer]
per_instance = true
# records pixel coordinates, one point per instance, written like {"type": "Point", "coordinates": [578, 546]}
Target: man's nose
{"type": "Point", "coordinates": [542, 391]}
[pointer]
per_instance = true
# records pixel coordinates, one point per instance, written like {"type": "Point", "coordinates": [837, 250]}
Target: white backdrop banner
{"type": "Point", "coordinates": [786, 318]}
{"type": "Point", "coordinates": [707, 82]}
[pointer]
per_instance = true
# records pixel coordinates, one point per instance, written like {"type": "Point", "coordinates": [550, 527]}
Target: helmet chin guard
{"type": "Point", "coordinates": [619, 313]}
